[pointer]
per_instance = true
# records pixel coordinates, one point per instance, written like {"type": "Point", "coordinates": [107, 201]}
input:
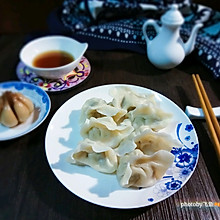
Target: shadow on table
{"type": "Point", "coordinates": [74, 135]}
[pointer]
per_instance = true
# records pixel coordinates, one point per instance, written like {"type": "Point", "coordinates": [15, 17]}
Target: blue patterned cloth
{"type": "Point", "coordinates": [115, 24]}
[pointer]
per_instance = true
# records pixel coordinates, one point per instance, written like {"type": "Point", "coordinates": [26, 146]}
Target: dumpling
{"type": "Point", "coordinates": [96, 155]}
{"type": "Point", "coordinates": [106, 130]}
{"type": "Point", "coordinates": [127, 145]}
{"type": "Point", "coordinates": [97, 108]}
{"type": "Point", "coordinates": [150, 115]}
{"type": "Point", "coordinates": [139, 170]}
{"type": "Point", "coordinates": [125, 98]}
{"type": "Point", "coordinates": [150, 142]}
{"type": "Point", "coordinates": [147, 141]}
{"type": "Point", "coordinates": [89, 109]}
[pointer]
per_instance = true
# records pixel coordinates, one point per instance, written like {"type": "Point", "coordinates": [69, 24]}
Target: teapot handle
{"type": "Point", "coordinates": [144, 28]}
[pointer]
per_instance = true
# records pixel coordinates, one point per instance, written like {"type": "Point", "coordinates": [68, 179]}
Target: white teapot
{"type": "Point", "coordinates": [167, 49]}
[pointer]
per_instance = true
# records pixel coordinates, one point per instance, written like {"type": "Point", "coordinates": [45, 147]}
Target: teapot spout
{"type": "Point", "coordinates": [189, 45]}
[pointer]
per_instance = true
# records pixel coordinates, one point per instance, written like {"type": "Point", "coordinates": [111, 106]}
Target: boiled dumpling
{"type": "Point", "coordinates": [96, 155]}
{"type": "Point", "coordinates": [125, 98]}
{"type": "Point", "coordinates": [127, 145]}
{"type": "Point", "coordinates": [139, 170]}
{"type": "Point", "coordinates": [89, 109]}
{"type": "Point", "coordinates": [106, 130]}
{"type": "Point", "coordinates": [146, 140]}
{"type": "Point", "coordinates": [150, 142]}
{"type": "Point", "coordinates": [97, 108]}
{"type": "Point", "coordinates": [149, 115]}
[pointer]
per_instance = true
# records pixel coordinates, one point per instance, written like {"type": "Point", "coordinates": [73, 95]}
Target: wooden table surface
{"type": "Point", "coordinates": [29, 189]}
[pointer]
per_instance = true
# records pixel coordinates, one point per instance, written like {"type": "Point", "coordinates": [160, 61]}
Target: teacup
{"type": "Point", "coordinates": [49, 44]}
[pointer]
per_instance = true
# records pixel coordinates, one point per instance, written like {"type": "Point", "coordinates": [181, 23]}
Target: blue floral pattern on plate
{"type": "Point", "coordinates": [185, 161]}
{"type": "Point", "coordinates": [42, 108]}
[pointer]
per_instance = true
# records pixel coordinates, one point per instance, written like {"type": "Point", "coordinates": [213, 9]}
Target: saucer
{"type": "Point", "coordinates": [70, 80]}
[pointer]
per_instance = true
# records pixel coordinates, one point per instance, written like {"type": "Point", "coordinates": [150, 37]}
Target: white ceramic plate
{"type": "Point", "coordinates": [103, 189]}
{"type": "Point", "coordinates": [42, 107]}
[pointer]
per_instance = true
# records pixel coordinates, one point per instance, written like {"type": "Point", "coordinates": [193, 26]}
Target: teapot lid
{"type": "Point", "coordinates": [173, 16]}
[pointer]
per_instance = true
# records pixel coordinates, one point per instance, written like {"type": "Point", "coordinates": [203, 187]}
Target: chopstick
{"type": "Point", "coordinates": [210, 117]}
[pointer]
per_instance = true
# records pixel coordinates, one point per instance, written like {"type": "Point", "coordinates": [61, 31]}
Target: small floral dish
{"type": "Point", "coordinates": [41, 103]}
{"type": "Point", "coordinates": [59, 48]}
{"type": "Point", "coordinates": [70, 80]}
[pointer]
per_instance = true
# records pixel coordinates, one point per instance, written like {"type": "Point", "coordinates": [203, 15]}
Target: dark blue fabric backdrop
{"type": "Point", "coordinates": [118, 25]}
